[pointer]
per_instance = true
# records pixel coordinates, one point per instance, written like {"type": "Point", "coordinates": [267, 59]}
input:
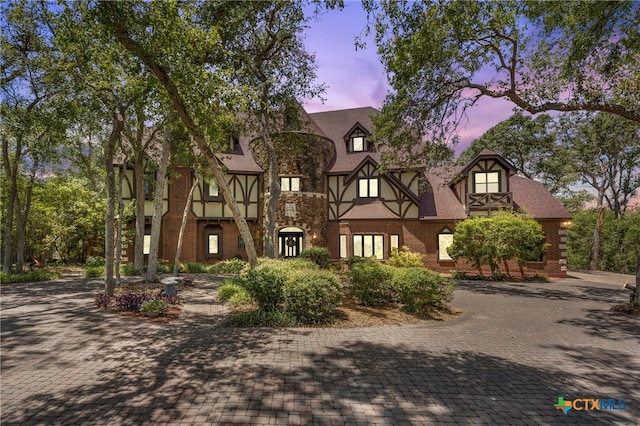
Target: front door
{"type": "Point", "coordinates": [290, 243]}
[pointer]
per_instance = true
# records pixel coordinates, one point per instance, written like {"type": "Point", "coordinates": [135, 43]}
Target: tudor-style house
{"type": "Point", "coordinates": [334, 196]}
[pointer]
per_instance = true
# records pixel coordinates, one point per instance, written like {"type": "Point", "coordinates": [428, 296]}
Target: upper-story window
{"type": "Point", "coordinates": [211, 192]}
{"type": "Point", "coordinates": [487, 182]}
{"type": "Point", "coordinates": [368, 187]}
{"type": "Point", "coordinates": [233, 142]}
{"type": "Point", "coordinates": [358, 142]}
{"type": "Point", "coordinates": [290, 184]}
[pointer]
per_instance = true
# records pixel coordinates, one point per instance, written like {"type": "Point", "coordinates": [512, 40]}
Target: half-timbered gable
{"type": "Point", "coordinates": [483, 185]}
{"type": "Point", "coordinates": [129, 191]}
{"type": "Point", "coordinates": [334, 195]}
{"type": "Point", "coordinates": [208, 202]}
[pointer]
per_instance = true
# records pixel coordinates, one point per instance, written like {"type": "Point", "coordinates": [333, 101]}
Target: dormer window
{"type": "Point", "coordinates": [487, 182]}
{"type": "Point", "coordinates": [233, 142]}
{"type": "Point", "coordinates": [358, 142]}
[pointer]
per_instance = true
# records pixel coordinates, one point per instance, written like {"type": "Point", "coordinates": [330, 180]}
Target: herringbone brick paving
{"type": "Point", "coordinates": [518, 348]}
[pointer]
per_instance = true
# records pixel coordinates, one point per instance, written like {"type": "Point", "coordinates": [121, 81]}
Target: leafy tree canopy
{"type": "Point", "coordinates": [443, 57]}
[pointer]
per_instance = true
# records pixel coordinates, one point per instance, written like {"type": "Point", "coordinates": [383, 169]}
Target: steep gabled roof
{"type": "Point", "coordinates": [439, 201]}
{"type": "Point", "coordinates": [337, 124]}
{"type": "Point", "coordinates": [535, 200]}
{"type": "Point", "coordinates": [484, 155]}
{"type": "Point", "coordinates": [442, 203]}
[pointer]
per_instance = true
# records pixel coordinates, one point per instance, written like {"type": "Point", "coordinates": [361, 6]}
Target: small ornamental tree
{"type": "Point", "coordinates": [500, 237]}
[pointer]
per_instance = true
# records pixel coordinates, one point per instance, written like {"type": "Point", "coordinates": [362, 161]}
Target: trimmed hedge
{"type": "Point", "coordinates": [318, 255]}
{"type": "Point", "coordinates": [417, 289]}
{"type": "Point", "coordinates": [421, 290]}
{"type": "Point", "coordinates": [312, 296]}
{"type": "Point", "coordinates": [371, 282]}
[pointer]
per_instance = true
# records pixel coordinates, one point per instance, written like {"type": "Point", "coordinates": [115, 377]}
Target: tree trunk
{"type": "Point", "coordinates": [109, 240]}
{"type": "Point", "coordinates": [138, 177]}
{"type": "Point", "coordinates": [156, 220]}
{"type": "Point", "coordinates": [120, 229]}
{"type": "Point", "coordinates": [11, 174]}
{"type": "Point", "coordinates": [636, 302]}
{"type": "Point", "coordinates": [183, 225]}
{"type": "Point", "coordinates": [273, 195]}
{"type": "Point", "coordinates": [595, 245]}
{"type": "Point", "coordinates": [196, 133]}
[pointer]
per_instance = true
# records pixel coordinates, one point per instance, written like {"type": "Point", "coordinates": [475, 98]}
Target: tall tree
{"type": "Point", "coordinates": [33, 107]}
{"type": "Point", "coordinates": [263, 42]}
{"type": "Point", "coordinates": [114, 81]}
{"type": "Point", "coordinates": [443, 57]}
{"type": "Point", "coordinates": [156, 219]}
{"type": "Point", "coordinates": [184, 54]}
{"type": "Point", "coordinates": [606, 153]}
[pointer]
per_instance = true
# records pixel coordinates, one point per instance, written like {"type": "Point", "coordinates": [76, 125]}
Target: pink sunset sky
{"type": "Point", "coordinates": [356, 78]}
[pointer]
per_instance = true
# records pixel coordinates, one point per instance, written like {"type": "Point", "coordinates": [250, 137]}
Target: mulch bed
{"type": "Point", "coordinates": [170, 314]}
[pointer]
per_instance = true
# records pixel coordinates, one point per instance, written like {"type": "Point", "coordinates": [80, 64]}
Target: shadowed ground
{"type": "Point", "coordinates": [518, 349]}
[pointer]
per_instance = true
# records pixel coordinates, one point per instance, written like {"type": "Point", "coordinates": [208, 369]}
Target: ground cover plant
{"type": "Point", "coordinates": [134, 300]}
{"type": "Point", "coordinates": [229, 266]}
{"type": "Point", "coordinates": [30, 276]}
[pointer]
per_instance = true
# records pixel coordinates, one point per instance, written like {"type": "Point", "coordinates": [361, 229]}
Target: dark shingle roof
{"type": "Point", "coordinates": [442, 203]}
{"type": "Point", "coordinates": [336, 124]}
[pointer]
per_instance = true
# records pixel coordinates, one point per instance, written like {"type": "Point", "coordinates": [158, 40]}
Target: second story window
{"type": "Point", "coordinates": [487, 182]}
{"type": "Point", "coordinates": [211, 192]}
{"type": "Point", "coordinates": [358, 142]}
{"type": "Point", "coordinates": [368, 187]}
{"type": "Point", "coordinates": [290, 184]}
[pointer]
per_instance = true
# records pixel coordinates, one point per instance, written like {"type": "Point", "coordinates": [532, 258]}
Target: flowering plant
{"type": "Point", "coordinates": [187, 279]}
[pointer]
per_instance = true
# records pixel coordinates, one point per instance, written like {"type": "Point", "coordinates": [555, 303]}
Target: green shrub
{"type": "Point", "coordinates": [164, 268]}
{"type": "Point", "coordinates": [128, 269]}
{"type": "Point", "coordinates": [228, 289]}
{"type": "Point", "coordinates": [312, 295]}
{"type": "Point", "coordinates": [371, 282]}
{"type": "Point", "coordinates": [405, 258]}
{"type": "Point", "coordinates": [94, 261]}
{"type": "Point", "coordinates": [157, 305]}
{"type": "Point", "coordinates": [229, 266]}
{"type": "Point", "coordinates": [298, 263]}
{"type": "Point", "coordinates": [27, 277]}
{"type": "Point", "coordinates": [318, 255]}
{"type": "Point", "coordinates": [260, 318]}
{"type": "Point", "coordinates": [94, 272]}
{"type": "Point", "coordinates": [193, 267]}
{"type": "Point", "coordinates": [240, 298]}
{"type": "Point", "coordinates": [264, 283]}
{"type": "Point", "coordinates": [421, 290]}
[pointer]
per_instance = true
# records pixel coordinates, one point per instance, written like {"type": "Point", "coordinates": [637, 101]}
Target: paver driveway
{"type": "Point", "coordinates": [518, 349]}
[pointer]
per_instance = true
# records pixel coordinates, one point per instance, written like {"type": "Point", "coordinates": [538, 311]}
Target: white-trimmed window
{"type": "Point", "coordinates": [394, 241]}
{"type": "Point", "coordinates": [290, 184]}
{"type": "Point", "coordinates": [445, 239]}
{"type": "Point", "coordinates": [343, 246]}
{"type": "Point", "coordinates": [146, 244]}
{"type": "Point", "coordinates": [211, 192]}
{"type": "Point", "coordinates": [213, 244]}
{"type": "Point", "coordinates": [213, 241]}
{"type": "Point", "coordinates": [358, 142]}
{"type": "Point", "coordinates": [368, 187]}
{"type": "Point", "coordinates": [368, 245]}
{"type": "Point", "coordinates": [487, 182]}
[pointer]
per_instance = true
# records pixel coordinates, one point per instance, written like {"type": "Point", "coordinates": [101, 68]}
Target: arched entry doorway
{"type": "Point", "coordinates": [290, 242]}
